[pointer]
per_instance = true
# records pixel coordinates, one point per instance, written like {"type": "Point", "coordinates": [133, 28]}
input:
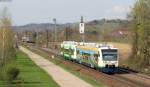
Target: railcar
{"type": "Point", "coordinates": [68, 50]}
{"type": "Point", "coordinates": [103, 58]}
{"type": "Point", "coordinates": [99, 56]}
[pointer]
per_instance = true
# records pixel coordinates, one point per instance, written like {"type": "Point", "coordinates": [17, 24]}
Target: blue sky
{"type": "Point", "coordinates": [43, 11]}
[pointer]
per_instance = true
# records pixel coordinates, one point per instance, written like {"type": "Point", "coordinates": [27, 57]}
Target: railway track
{"type": "Point", "coordinates": [135, 77]}
{"type": "Point", "coordinates": [116, 80]}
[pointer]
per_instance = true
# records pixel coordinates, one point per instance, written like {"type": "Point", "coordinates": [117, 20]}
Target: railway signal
{"type": "Point", "coordinates": [47, 38]}
{"type": "Point", "coordinates": [81, 29]}
{"type": "Point", "coordinates": [81, 26]}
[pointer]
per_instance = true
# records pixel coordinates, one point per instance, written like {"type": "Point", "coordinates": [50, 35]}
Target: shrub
{"type": "Point", "coordinates": [9, 73]}
{"type": "Point", "coordinates": [12, 73]}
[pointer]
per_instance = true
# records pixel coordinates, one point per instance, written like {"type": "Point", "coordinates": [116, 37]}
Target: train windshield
{"type": "Point", "coordinates": [109, 54]}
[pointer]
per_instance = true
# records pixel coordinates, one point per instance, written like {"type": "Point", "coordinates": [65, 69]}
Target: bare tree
{"type": "Point", "coordinates": [6, 37]}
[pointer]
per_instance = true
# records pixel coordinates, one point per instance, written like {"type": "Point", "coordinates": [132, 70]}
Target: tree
{"type": "Point", "coordinates": [141, 33]}
{"type": "Point", "coordinates": [6, 38]}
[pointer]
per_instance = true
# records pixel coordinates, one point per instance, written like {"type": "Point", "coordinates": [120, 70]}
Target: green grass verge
{"type": "Point", "coordinates": [56, 61]}
{"type": "Point", "coordinates": [30, 74]}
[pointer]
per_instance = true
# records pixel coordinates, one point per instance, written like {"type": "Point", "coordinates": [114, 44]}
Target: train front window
{"type": "Point", "coordinates": [109, 54]}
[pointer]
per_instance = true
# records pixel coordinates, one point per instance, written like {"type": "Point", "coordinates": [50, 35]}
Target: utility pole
{"type": "Point", "coordinates": [36, 38]}
{"type": "Point", "coordinates": [55, 32]}
{"type": "Point", "coordinates": [66, 33]}
{"type": "Point", "coordinates": [47, 38]}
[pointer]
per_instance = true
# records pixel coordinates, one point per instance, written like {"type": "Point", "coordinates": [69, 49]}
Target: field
{"type": "Point", "coordinates": [30, 75]}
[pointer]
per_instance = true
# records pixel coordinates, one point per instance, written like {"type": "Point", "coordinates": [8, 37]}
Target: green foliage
{"type": "Point", "coordinates": [9, 73]}
{"type": "Point", "coordinates": [141, 30]}
{"type": "Point", "coordinates": [12, 73]}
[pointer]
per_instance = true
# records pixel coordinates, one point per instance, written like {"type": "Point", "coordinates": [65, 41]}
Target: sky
{"type": "Point", "coordinates": [65, 11]}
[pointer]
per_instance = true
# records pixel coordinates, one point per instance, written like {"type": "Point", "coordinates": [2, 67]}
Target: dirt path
{"type": "Point", "coordinates": [62, 77]}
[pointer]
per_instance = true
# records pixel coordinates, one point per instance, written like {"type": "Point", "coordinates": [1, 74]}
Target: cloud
{"type": "Point", "coordinates": [118, 9]}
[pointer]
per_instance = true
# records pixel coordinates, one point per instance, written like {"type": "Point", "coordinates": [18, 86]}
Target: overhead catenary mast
{"type": "Point", "coordinates": [81, 29]}
{"type": "Point", "coordinates": [55, 30]}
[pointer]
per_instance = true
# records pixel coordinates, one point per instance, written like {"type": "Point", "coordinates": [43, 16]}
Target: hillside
{"type": "Point", "coordinates": [96, 30]}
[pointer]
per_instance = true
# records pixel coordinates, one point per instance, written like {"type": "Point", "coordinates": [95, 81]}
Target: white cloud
{"type": "Point", "coordinates": [119, 9]}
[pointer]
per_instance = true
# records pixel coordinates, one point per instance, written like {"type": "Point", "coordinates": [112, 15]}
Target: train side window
{"type": "Point", "coordinates": [85, 56]}
{"type": "Point", "coordinates": [96, 57]}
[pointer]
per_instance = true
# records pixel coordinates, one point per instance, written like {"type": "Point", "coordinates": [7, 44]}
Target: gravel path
{"type": "Point", "coordinates": [62, 77]}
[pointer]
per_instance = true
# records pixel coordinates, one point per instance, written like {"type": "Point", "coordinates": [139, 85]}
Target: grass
{"type": "Point", "coordinates": [30, 74]}
{"type": "Point", "coordinates": [56, 61]}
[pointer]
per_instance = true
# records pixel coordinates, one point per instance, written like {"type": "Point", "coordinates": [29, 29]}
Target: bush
{"type": "Point", "coordinates": [10, 73]}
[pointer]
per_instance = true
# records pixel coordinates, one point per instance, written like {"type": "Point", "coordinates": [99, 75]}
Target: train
{"type": "Point", "coordinates": [102, 57]}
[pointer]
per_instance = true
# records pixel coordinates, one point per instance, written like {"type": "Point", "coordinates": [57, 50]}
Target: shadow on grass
{"type": "Point", "coordinates": [26, 82]}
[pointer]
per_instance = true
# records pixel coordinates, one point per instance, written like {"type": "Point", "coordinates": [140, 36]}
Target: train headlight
{"type": "Point", "coordinates": [110, 62]}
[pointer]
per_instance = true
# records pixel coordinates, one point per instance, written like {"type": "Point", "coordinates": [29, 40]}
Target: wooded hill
{"type": "Point", "coordinates": [96, 30]}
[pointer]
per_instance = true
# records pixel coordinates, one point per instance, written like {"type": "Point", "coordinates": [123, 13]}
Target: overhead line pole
{"type": "Point", "coordinates": [55, 32]}
{"type": "Point", "coordinates": [47, 38]}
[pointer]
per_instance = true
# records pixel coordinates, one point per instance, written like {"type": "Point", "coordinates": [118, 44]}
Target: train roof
{"type": "Point", "coordinates": [87, 48]}
{"type": "Point", "coordinates": [96, 47]}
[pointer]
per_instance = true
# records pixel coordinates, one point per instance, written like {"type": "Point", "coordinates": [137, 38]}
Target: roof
{"type": "Point", "coordinates": [88, 48]}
